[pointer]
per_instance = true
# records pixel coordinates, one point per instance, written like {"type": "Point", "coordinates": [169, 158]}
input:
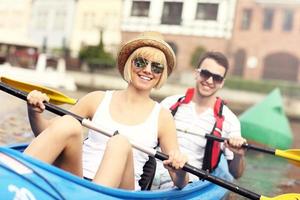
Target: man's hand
{"type": "Point", "coordinates": [235, 144]}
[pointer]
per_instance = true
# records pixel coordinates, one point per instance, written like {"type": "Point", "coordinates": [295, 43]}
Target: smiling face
{"type": "Point", "coordinates": [146, 68]}
{"type": "Point", "coordinates": [209, 77]}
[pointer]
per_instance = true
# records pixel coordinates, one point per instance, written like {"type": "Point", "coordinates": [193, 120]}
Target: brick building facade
{"type": "Point", "coordinates": [265, 40]}
{"type": "Point", "coordinates": [260, 37]}
{"type": "Point", "coordinates": [185, 24]}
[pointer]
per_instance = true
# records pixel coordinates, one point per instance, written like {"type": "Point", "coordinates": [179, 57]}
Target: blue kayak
{"type": "Point", "coordinates": [23, 177]}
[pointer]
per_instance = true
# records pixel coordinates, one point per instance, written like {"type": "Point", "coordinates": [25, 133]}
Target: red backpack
{"type": "Point", "coordinates": [212, 150]}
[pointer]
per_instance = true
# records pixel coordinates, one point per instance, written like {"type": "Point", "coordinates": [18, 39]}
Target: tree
{"type": "Point", "coordinates": [195, 56]}
{"type": "Point", "coordinates": [96, 57]}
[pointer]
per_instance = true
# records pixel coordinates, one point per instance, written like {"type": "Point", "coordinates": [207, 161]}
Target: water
{"type": "Point", "coordinates": [262, 174]}
{"type": "Point", "coordinates": [265, 174]}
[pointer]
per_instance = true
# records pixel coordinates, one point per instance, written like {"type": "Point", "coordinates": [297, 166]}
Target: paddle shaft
{"type": "Point", "coordinates": [291, 154]}
{"type": "Point", "coordinates": [247, 146]}
{"type": "Point", "coordinates": [222, 139]}
{"type": "Point", "coordinates": [159, 155]}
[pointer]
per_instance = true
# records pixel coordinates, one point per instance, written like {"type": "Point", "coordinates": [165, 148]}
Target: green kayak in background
{"type": "Point", "coordinates": [266, 123]}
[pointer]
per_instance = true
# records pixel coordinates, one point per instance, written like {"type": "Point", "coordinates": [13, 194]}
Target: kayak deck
{"type": "Point", "coordinates": [23, 175]}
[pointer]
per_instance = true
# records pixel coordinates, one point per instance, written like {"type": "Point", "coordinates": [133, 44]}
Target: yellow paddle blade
{"type": "Point", "coordinates": [291, 196]}
{"type": "Point", "coordinates": [55, 96]}
{"type": "Point", "coordinates": [292, 154]}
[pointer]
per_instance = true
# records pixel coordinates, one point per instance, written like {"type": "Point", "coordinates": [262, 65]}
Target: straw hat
{"type": "Point", "coordinates": [146, 39]}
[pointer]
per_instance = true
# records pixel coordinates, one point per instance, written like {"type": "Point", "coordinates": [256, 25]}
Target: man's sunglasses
{"type": "Point", "coordinates": [141, 63]}
{"type": "Point", "coordinates": [204, 73]}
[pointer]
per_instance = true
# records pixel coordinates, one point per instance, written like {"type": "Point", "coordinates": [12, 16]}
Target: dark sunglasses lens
{"type": "Point", "coordinates": [140, 62]}
{"type": "Point", "coordinates": [157, 68]}
{"type": "Point", "coordinates": [205, 74]}
{"type": "Point", "coordinates": [217, 78]}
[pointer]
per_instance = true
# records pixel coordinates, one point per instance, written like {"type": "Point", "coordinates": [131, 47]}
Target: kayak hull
{"type": "Point", "coordinates": [23, 176]}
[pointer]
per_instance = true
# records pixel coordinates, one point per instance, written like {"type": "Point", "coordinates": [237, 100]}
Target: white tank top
{"type": "Point", "coordinates": [144, 134]}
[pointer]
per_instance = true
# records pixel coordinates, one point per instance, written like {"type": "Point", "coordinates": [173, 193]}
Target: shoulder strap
{"type": "Point", "coordinates": [148, 174]}
{"type": "Point", "coordinates": [212, 149]}
{"type": "Point", "coordinates": [183, 100]}
{"type": "Point", "coordinates": [218, 110]}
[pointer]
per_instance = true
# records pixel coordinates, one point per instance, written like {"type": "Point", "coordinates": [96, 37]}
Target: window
{"type": "Point", "coordinates": [288, 18]}
{"type": "Point", "coordinates": [280, 66]}
{"type": "Point", "coordinates": [172, 13]}
{"type": "Point", "coordinates": [88, 21]}
{"type": "Point", "coordinates": [59, 22]}
{"type": "Point", "coordinates": [246, 19]}
{"type": "Point", "coordinates": [268, 19]}
{"type": "Point", "coordinates": [140, 8]}
{"type": "Point", "coordinates": [42, 20]}
{"type": "Point", "coordinates": [207, 11]}
{"type": "Point", "coordinates": [239, 62]}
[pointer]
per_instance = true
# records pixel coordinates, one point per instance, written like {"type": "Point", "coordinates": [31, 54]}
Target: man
{"type": "Point", "coordinates": [196, 117]}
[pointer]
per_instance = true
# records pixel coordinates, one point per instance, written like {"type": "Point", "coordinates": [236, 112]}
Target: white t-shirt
{"type": "Point", "coordinates": [188, 120]}
{"type": "Point", "coordinates": [144, 134]}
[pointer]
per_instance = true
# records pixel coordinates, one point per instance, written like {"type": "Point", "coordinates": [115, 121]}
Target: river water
{"type": "Point", "coordinates": [265, 174]}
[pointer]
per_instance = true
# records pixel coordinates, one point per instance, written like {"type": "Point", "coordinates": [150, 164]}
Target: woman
{"type": "Point", "coordinates": [145, 63]}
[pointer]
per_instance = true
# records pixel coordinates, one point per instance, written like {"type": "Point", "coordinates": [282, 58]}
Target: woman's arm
{"type": "Point", "coordinates": [35, 108]}
{"type": "Point", "coordinates": [169, 145]}
{"type": "Point", "coordinates": [85, 107]}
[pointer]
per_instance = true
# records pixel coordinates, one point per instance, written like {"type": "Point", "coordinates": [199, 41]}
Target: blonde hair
{"type": "Point", "coordinates": [152, 54]}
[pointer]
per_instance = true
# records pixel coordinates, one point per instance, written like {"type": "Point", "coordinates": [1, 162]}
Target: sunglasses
{"type": "Point", "coordinates": [141, 63]}
{"type": "Point", "coordinates": [204, 73]}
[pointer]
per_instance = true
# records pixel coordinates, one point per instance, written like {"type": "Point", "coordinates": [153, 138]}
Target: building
{"type": "Point", "coordinates": [93, 16]}
{"type": "Point", "coordinates": [14, 21]}
{"type": "Point", "coordinates": [51, 23]}
{"type": "Point", "coordinates": [260, 37]}
{"type": "Point", "coordinates": [185, 24]}
{"type": "Point", "coordinates": [264, 43]}
{"type": "Point", "coordinates": [16, 47]}
{"type": "Point", "coordinates": [57, 24]}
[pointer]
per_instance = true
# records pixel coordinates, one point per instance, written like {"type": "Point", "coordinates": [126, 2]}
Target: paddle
{"type": "Point", "coordinates": [152, 152]}
{"type": "Point", "coordinates": [292, 154]}
{"type": "Point", "coordinates": [55, 96]}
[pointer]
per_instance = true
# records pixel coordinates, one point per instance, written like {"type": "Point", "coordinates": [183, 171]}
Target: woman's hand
{"type": "Point", "coordinates": [176, 160]}
{"type": "Point", "coordinates": [235, 144]}
{"type": "Point", "coordinates": [36, 99]}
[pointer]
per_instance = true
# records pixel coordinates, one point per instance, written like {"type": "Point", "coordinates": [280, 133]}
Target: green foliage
{"type": "Point", "coordinates": [96, 57]}
{"type": "Point", "coordinates": [263, 86]}
{"type": "Point", "coordinates": [195, 56]}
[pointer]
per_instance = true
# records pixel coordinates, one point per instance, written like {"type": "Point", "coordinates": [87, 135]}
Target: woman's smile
{"type": "Point", "coordinates": [145, 77]}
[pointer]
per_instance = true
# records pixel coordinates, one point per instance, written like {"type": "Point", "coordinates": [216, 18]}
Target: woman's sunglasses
{"type": "Point", "coordinates": [142, 63]}
{"type": "Point", "coordinates": [204, 73]}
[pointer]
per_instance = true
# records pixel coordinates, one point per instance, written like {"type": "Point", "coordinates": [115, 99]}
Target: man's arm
{"type": "Point", "coordinates": [237, 165]}
{"type": "Point", "coordinates": [234, 143]}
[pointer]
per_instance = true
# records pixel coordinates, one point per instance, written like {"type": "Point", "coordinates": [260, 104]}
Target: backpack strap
{"type": "Point", "coordinates": [148, 174]}
{"type": "Point", "coordinates": [183, 100]}
{"type": "Point", "coordinates": [213, 152]}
